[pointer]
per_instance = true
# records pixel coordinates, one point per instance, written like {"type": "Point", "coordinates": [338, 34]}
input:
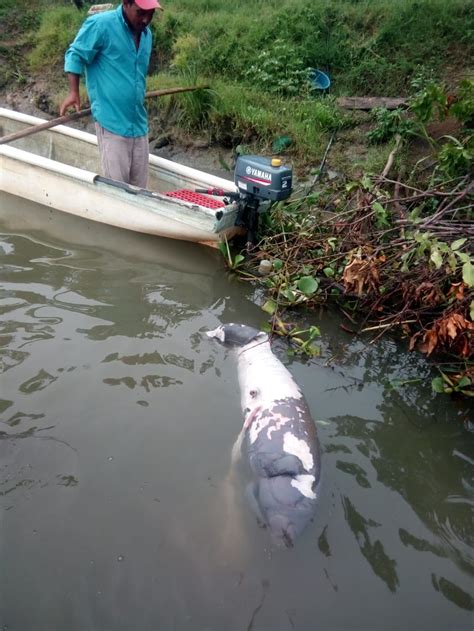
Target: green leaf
{"type": "Point", "coordinates": [238, 259]}
{"type": "Point", "coordinates": [289, 294]}
{"type": "Point", "coordinates": [463, 382]}
{"type": "Point", "coordinates": [277, 265]}
{"type": "Point", "coordinates": [314, 351]}
{"type": "Point", "coordinates": [436, 257]}
{"type": "Point", "coordinates": [463, 257]}
{"type": "Point", "coordinates": [455, 245]}
{"type": "Point", "coordinates": [312, 198]}
{"type": "Point", "coordinates": [366, 183]}
{"type": "Point", "coordinates": [414, 215]}
{"type": "Point", "coordinates": [350, 186]}
{"type": "Point", "coordinates": [308, 285]}
{"type": "Point", "coordinates": [452, 262]}
{"type": "Point", "coordinates": [437, 384]}
{"type": "Point", "coordinates": [224, 248]}
{"type": "Point", "coordinates": [377, 206]}
{"type": "Point", "coordinates": [396, 383]}
{"type": "Point", "coordinates": [270, 307]}
{"type": "Point", "coordinates": [405, 260]}
{"type": "Point", "coordinates": [329, 272]}
{"type": "Point", "coordinates": [468, 273]}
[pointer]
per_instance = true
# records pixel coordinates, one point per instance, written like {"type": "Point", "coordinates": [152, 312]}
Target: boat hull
{"type": "Point", "coordinates": [53, 182]}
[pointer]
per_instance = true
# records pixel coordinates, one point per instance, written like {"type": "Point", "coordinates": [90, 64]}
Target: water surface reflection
{"type": "Point", "coordinates": [117, 421]}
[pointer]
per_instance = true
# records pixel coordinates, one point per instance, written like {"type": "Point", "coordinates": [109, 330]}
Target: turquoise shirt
{"type": "Point", "coordinates": [115, 71]}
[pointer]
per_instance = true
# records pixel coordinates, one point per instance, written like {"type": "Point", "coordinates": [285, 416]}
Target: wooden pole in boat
{"type": "Point", "coordinates": [67, 118]}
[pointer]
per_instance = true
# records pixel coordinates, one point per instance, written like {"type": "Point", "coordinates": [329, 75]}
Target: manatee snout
{"type": "Point", "coordinates": [235, 335]}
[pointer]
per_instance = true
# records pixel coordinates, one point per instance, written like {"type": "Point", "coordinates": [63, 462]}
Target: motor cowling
{"type": "Point", "coordinates": [258, 180]}
{"type": "Point", "coordinates": [263, 178]}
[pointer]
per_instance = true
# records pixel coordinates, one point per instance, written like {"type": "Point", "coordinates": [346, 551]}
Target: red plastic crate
{"type": "Point", "coordinates": [196, 198]}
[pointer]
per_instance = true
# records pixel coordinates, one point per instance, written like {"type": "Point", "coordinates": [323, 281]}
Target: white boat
{"type": "Point", "coordinates": [59, 168]}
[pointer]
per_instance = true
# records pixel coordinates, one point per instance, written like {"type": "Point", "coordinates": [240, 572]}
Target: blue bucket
{"type": "Point", "coordinates": [319, 80]}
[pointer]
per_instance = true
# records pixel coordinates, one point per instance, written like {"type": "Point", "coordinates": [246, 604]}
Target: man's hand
{"type": "Point", "coordinates": [72, 100]}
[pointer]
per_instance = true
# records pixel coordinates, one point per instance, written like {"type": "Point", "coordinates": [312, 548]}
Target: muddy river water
{"type": "Point", "coordinates": [118, 417]}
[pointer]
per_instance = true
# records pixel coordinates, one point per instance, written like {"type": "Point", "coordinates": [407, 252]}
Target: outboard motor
{"type": "Point", "coordinates": [258, 180]}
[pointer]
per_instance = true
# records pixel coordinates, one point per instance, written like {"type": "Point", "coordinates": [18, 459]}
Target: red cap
{"type": "Point", "coordinates": [147, 5]}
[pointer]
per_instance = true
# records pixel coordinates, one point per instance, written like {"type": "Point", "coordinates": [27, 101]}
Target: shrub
{"type": "Point", "coordinates": [456, 157]}
{"type": "Point", "coordinates": [278, 70]}
{"type": "Point", "coordinates": [390, 123]}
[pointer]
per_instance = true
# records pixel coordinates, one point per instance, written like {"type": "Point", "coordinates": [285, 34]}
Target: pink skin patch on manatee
{"type": "Point", "coordinates": [251, 417]}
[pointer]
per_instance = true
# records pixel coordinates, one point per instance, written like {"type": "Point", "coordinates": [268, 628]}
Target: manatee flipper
{"type": "Point", "coordinates": [251, 497]}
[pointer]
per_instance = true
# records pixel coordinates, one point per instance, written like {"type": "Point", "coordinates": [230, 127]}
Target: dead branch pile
{"type": "Point", "coordinates": [399, 255]}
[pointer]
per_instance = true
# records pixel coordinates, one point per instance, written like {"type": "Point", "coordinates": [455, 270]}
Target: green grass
{"type": "Point", "coordinates": [57, 29]}
{"type": "Point", "coordinates": [15, 19]}
{"type": "Point", "coordinates": [232, 116]}
{"type": "Point", "coordinates": [255, 54]}
{"type": "Point", "coordinates": [368, 46]}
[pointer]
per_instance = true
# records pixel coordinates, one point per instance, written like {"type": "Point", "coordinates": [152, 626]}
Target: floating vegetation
{"type": "Point", "coordinates": [395, 253]}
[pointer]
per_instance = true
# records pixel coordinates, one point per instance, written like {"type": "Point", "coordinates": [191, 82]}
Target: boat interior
{"type": "Point", "coordinates": [79, 149]}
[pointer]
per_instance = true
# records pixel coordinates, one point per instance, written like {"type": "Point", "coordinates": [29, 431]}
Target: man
{"type": "Point", "coordinates": [113, 49]}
